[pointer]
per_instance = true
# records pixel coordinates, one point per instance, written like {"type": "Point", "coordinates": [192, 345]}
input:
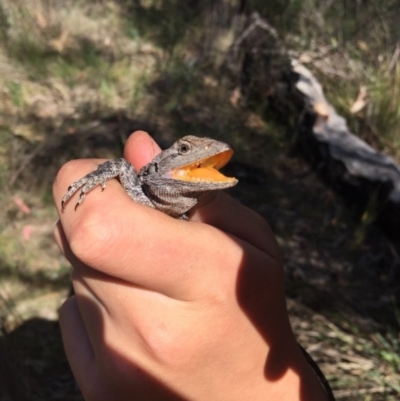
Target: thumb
{"type": "Point", "coordinates": [140, 149]}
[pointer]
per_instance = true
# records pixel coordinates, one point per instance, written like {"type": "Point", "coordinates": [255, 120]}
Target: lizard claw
{"type": "Point", "coordinates": [87, 183]}
{"type": "Point", "coordinates": [104, 172]}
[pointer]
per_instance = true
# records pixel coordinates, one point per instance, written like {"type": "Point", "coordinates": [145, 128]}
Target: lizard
{"type": "Point", "coordinates": [172, 182]}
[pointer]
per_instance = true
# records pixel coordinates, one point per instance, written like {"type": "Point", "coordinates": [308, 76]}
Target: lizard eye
{"type": "Point", "coordinates": [184, 148]}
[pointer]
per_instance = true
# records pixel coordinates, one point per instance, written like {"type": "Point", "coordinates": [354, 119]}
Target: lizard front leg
{"type": "Point", "coordinates": [104, 172]}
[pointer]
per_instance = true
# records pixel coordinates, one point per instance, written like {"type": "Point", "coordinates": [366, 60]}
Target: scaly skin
{"type": "Point", "coordinates": [172, 182]}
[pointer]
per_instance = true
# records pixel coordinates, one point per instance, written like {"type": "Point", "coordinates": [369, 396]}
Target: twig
{"type": "Point", "coordinates": [27, 160]}
{"type": "Point", "coordinates": [394, 58]}
{"type": "Point", "coordinates": [347, 393]}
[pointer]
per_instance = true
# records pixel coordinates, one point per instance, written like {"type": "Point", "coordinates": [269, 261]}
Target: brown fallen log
{"type": "Point", "coordinates": [364, 176]}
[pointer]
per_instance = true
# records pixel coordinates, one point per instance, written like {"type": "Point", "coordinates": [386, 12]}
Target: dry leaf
{"type": "Point", "coordinates": [361, 101]}
{"type": "Point", "coordinates": [59, 43]}
{"type": "Point", "coordinates": [321, 109]}
{"type": "Point", "coordinates": [235, 97]}
{"type": "Point", "coordinates": [41, 20]}
{"type": "Point", "coordinates": [26, 233]}
{"type": "Point", "coordinates": [22, 205]}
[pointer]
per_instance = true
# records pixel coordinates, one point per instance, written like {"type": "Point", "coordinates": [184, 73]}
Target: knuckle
{"type": "Point", "coordinates": [64, 174]}
{"type": "Point", "coordinates": [66, 169]}
{"type": "Point", "coordinates": [91, 236]}
{"type": "Point", "coordinates": [170, 346]}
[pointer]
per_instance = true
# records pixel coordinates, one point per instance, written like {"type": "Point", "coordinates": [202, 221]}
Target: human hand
{"type": "Point", "coordinates": [173, 310]}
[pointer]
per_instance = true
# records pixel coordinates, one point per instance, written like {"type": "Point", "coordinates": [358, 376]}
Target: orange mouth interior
{"type": "Point", "coordinates": [205, 170]}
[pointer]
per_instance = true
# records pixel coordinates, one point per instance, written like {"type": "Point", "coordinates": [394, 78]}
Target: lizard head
{"type": "Point", "coordinates": [179, 176]}
{"type": "Point", "coordinates": [200, 161]}
{"type": "Point", "coordinates": [197, 160]}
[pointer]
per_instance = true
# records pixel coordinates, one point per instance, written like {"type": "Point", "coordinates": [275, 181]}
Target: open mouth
{"type": "Point", "coordinates": [205, 170]}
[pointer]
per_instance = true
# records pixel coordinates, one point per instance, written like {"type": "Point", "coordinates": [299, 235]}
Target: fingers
{"type": "Point", "coordinates": [146, 247]}
{"type": "Point", "coordinates": [86, 364]}
{"type": "Point", "coordinates": [77, 344]}
{"type": "Point", "coordinates": [131, 242]}
{"type": "Point", "coordinates": [217, 209]}
{"type": "Point", "coordinates": [222, 211]}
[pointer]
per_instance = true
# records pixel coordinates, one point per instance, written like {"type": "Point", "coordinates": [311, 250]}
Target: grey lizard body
{"type": "Point", "coordinates": [172, 182]}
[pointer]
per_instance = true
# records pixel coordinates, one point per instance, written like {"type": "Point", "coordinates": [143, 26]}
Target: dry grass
{"type": "Point", "coordinates": [352, 48]}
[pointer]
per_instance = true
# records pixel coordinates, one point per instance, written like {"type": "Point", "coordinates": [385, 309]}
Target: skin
{"type": "Point", "coordinates": [173, 310]}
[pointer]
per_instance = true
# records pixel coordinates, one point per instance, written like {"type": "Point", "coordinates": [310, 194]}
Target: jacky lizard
{"type": "Point", "coordinates": [172, 182]}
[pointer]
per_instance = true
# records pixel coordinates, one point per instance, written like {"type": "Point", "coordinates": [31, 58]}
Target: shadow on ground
{"type": "Point", "coordinates": [33, 364]}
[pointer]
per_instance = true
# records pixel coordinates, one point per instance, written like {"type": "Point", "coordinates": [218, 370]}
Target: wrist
{"type": "Point", "coordinates": [287, 377]}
